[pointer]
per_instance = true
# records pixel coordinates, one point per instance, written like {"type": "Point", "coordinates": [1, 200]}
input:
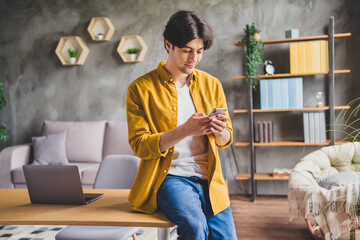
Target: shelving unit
{"type": "Point", "coordinates": [134, 41]}
{"type": "Point", "coordinates": [287, 143]}
{"type": "Point", "coordinates": [253, 176]}
{"type": "Point", "coordinates": [72, 42]}
{"type": "Point", "coordinates": [101, 25]}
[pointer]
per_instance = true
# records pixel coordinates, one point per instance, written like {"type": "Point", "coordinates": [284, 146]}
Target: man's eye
{"type": "Point", "coordinates": [187, 51]}
{"type": "Point", "coordinates": [200, 52]}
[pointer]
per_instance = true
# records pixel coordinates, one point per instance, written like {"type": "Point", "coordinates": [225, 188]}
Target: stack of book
{"type": "Point", "coordinates": [281, 172]}
{"type": "Point", "coordinates": [264, 131]}
{"type": "Point", "coordinates": [309, 57]}
{"type": "Point", "coordinates": [283, 93]}
{"type": "Point", "coordinates": [314, 127]}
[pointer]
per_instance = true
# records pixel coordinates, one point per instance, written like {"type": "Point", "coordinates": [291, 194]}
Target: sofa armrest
{"type": "Point", "coordinates": [11, 158]}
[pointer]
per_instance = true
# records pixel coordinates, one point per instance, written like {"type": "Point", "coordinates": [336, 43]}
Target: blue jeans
{"type": "Point", "coordinates": [185, 202]}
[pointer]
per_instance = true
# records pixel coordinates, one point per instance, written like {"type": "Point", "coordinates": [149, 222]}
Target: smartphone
{"type": "Point", "coordinates": [217, 111]}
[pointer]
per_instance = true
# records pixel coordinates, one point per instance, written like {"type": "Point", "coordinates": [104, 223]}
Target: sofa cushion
{"type": "Point", "coordinates": [116, 139]}
{"type": "Point", "coordinates": [87, 172]}
{"type": "Point", "coordinates": [84, 140]}
{"type": "Point", "coordinates": [50, 149]}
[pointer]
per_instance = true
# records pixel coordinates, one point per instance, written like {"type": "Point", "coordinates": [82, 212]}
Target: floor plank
{"type": "Point", "coordinates": [267, 218]}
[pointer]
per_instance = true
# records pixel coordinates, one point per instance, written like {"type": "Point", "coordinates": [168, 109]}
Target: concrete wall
{"type": "Point", "coordinates": [38, 87]}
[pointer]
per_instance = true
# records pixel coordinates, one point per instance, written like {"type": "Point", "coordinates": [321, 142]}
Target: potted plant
{"type": "Point", "coordinates": [254, 53]}
{"type": "Point", "coordinates": [100, 36]}
{"type": "Point", "coordinates": [72, 54]}
{"type": "Point", "coordinates": [3, 130]}
{"type": "Point", "coordinates": [132, 53]}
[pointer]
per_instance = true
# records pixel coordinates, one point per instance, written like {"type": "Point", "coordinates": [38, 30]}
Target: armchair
{"type": "Point", "coordinates": [335, 209]}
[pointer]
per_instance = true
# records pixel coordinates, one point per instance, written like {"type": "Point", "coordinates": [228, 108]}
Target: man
{"type": "Point", "coordinates": [180, 171]}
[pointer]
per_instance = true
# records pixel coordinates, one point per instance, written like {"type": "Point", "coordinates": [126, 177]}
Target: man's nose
{"type": "Point", "coordinates": [193, 56]}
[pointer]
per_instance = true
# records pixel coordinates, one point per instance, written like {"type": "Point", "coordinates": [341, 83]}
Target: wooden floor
{"type": "Point", "coordinates": [267, 218]}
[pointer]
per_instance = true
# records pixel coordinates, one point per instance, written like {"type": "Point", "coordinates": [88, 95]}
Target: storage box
{"type": "Point", "coordinates": [292, 33]}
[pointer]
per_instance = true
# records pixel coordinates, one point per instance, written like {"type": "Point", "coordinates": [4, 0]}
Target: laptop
{"type": "Point", "coordinates": [56, 184]}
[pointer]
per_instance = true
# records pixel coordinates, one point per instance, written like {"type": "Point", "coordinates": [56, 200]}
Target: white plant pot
{"type": "Point", "coordinates": [73, 60]}
{"type": "Point", "coordinates": [133, 57]}
{"type": "Point", "coordinates": [100, 37]}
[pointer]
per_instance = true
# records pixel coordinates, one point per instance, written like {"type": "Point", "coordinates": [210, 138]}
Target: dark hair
{"type": "Point", "coordinates": [184, 26]}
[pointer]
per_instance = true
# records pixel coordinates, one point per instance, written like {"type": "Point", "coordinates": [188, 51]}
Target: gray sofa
{"type": "Point", "coordinates": [86, 144]}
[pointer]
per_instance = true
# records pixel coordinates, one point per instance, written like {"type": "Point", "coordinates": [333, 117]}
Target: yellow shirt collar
{"type": "Point", "coordinates": [166, 76]}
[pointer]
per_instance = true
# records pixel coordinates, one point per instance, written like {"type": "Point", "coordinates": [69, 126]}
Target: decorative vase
{"type": "Point", "coordinates": [73, 60]}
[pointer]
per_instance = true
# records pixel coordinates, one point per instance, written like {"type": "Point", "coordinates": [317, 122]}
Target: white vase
{"type": "Point", "coordinates": [73, 60]}
{"type": "Point", "coordinates": [100, 37]}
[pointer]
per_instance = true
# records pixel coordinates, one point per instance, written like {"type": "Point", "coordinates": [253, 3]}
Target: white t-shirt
{"type": "Point", "coordinates": [190, 154]}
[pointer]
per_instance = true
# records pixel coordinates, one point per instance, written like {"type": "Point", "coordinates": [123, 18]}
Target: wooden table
{"type": "Point", "coordinates": [113, 209]}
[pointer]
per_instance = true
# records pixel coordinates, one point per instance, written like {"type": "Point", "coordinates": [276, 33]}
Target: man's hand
{"type": "Point", "coordinates": [218, 128]}
{"type": "Point", "coordinates": [197, 125]}
{"type": "Point", "coordinates": [218, 123]}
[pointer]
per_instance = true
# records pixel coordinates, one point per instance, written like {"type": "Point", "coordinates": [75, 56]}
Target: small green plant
{"type": "Point", "coordinates": [254, 54]}
{"type": "Point", "coordinates": [132, 50]}
{"type": "Point", "coordinates": [3, 130]}
{"type": "Point", "coordinates": [72, 52]}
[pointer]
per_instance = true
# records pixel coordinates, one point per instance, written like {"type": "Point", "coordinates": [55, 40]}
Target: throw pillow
{"type": "Point", "coordinates": [50, 149]}
{"type": "Point", "coordinates": [339, 179]}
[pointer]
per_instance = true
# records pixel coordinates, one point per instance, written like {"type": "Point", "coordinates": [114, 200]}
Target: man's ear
{"type": "Point", "coordinates": [168, 45]}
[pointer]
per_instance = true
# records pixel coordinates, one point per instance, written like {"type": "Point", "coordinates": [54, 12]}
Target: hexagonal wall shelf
{"type": "Point", "coordinates": [101, 29]}
{"type": "Point", "coordinates": [72, 42]}
{"type": "Point", "coordinates": [134, 41]}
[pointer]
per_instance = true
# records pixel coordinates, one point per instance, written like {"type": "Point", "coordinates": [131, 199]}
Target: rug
{"type": "Point", "coordinates": [29, 232]}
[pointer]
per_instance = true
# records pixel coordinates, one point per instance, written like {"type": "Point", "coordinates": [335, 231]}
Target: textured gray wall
{"type": "Point", "coordinates": [38, 87]}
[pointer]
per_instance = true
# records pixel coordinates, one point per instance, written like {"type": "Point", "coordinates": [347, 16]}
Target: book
{"type": "Point", "coordinates": [281, 172]}
{"type": "Point", "coordinates": [271, 131]}
{"type": "Point", "coordinates": [322, 127]}
{"type": "Point", "coordinates": [260, 131]}
{"type": "Point", "coordinates": [306, 127]}
{"type": "Point", "coordinates": [309, 60]}
{"type": "Point", "coordinates": [264, 101]}
{"type": "Point", "coordinates": [317, 126]}
{"type": "Point", "coordinates": [276, 90]}
{"type": "Point", "coordinates": [312, 127]}
{"type": "Point", "coordinates": [265, 131]}
{"type": "Point", "coordinates": [299, 101]}
{"type": "Point", "coordinates": [294, 58]}
{"type": "Point", "coordinates": [324, 56]}
{"type": "Point", "coordinates": [301, 57]}
{"type": "Point", "coordinates": [292, 93]}
{"type": "Point", "coordinates": [284, 93]}
{"type": "Point", "coordinates": [315, 47]}
{"type": "Point", "coordinates": [270, 97]}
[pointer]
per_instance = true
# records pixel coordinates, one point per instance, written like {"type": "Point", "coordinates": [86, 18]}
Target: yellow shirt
{"type": "Point", "coordinates": [152, 110]}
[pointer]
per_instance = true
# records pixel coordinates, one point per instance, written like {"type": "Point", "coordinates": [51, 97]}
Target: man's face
{"type": "Point", "coordinates": [185, 59]}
